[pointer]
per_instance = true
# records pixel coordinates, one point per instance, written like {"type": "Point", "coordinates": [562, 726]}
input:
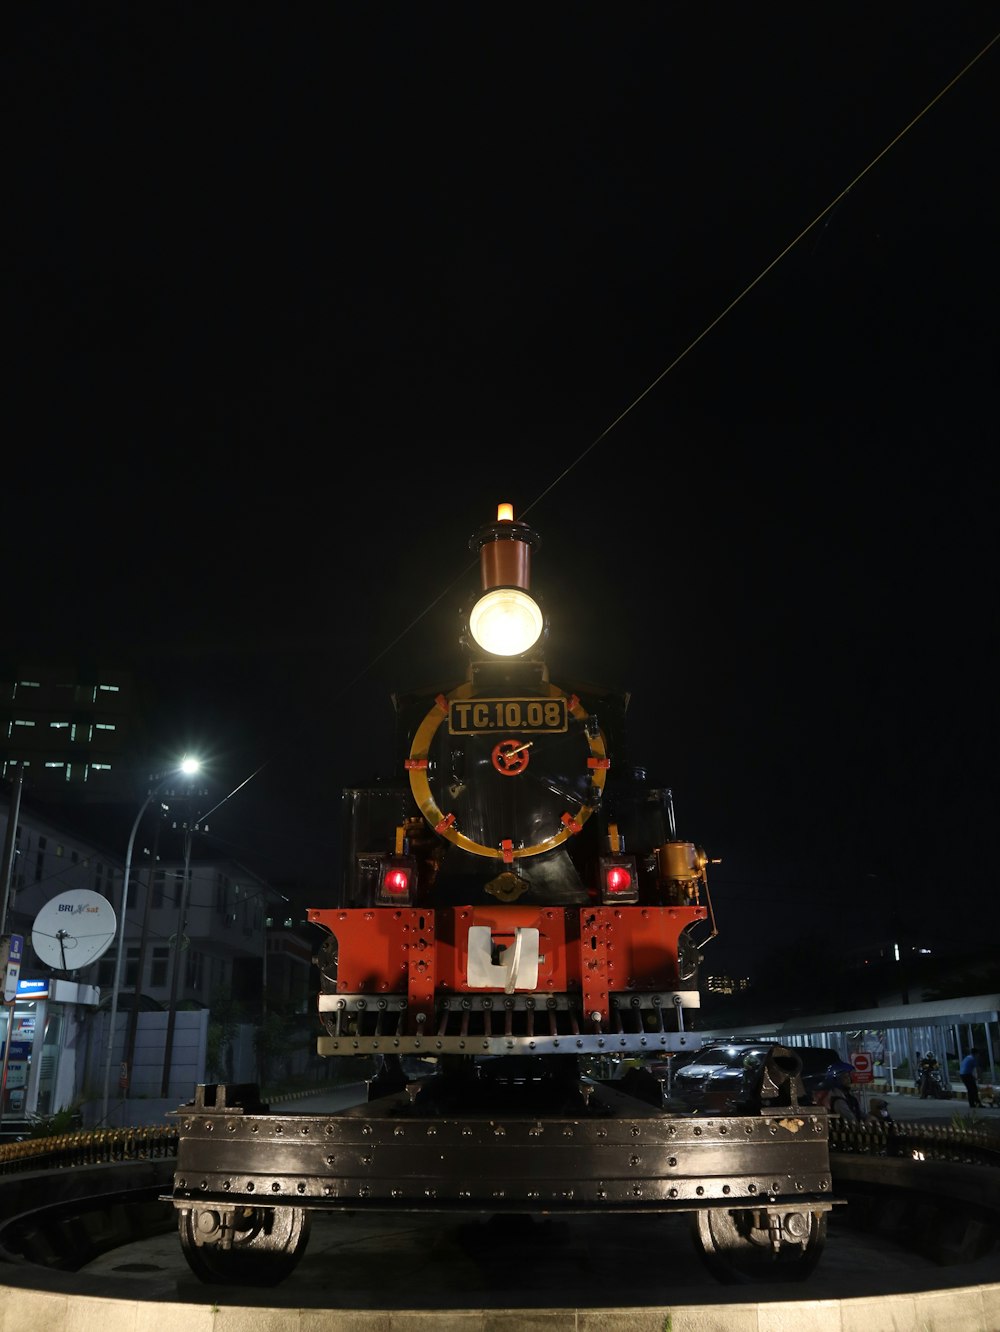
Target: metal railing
{"type": "Point", "coordinates": [918, 1140]}
{"type": "Point", "coordinates": [88, 1147]}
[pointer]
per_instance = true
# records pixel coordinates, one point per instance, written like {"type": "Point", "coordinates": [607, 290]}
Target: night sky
{"type": "Point", "coordinates": [708, 291]}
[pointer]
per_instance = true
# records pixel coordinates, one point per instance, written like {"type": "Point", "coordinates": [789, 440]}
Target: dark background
{"type": "Point", "coordinates": [708, 291]}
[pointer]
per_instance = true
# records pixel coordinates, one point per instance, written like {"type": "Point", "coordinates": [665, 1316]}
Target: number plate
{"type": "Point", "coordinates": [474, 716]}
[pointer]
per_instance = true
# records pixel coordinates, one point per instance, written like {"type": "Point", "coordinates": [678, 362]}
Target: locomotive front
{"type": "Point", "coordinates": [516, 907]}
{"type": "Point", "coordinates": [514, 891]}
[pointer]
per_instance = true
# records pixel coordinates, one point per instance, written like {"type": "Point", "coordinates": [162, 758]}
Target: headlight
{"type": "Point", "coordinates": [506, 622]}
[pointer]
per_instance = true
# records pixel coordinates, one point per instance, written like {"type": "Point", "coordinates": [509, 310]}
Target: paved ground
{"type": "Point", "coordinates": [581, 1274]}
{"type": "Point", "coordinates": [415, 1262]}
{"type": "Point", "coordinates": [955, 1111]}
{"type": "Point", "coordinates": [143, 1112]}
{"type": "Point", "coordinates": [903, 1106]}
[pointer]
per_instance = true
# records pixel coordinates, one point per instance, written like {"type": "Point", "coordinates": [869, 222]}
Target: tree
{"type": "Point", "coordinates": [226, 1015]}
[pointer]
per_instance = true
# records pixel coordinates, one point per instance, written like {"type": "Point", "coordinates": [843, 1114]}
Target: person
{"type": "Point", "coordinates": [927, 1077]}
{"type": "Point", "coordinates": [836, 1094]}
{"type": "Point", "coordinates": [879, 1114]}
{"type": "Point", "coordinates": [880, 1117]}
{"type": "Point", "coordinates": [968, 1071]}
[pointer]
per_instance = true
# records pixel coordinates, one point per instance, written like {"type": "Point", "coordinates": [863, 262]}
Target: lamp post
{"type": "Point", "coordinates": [128, 1055]}
{"type": "Point", "coordinates": [168, 1045]}
{"type": "Point", "coordinates": [10, 842]}
{"type": "Point", "coordinates": [188, 767]}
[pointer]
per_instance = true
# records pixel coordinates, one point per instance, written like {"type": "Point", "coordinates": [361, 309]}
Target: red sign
{"type": "Point", "coordinates": [864, 1070]}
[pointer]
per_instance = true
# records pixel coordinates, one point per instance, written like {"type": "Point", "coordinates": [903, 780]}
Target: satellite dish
{"type": "Point", "coordinates": [73, 930]}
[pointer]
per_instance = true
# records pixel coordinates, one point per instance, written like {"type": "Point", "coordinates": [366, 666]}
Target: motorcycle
{"type": "Point", "coordinates": [931, 1083]}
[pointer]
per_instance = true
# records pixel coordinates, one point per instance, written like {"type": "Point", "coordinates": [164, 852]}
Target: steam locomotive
{"type": "Point", "coordinates": [516, 917]}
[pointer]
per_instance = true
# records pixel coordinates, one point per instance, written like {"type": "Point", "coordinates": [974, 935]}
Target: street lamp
{"type": "Point", "coordinates": [168, 1044]}
{"type": "Point", "coordinates": [188, 767]}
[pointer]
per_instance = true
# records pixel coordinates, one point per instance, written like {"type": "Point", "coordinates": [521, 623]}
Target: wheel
{"type": "Point", "coordinates": [267, 1243]}
{"type": "Point", "coordinates": [738, 1246]}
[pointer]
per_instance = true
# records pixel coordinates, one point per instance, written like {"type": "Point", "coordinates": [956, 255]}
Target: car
{"type": "Point", "coordinates": [719, 1075]}
{"type": "Point", "coordinates": [816, 1059]}
{"type": "Point", "coordinates": [725, 1073]}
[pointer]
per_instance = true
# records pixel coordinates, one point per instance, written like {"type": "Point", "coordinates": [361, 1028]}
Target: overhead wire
{"type": "Point", "coordinates": [759, 278]}
{"type": "Point", "coordinates": [639, 398]}
{"type": "Point", "coordinates": [668, 369]}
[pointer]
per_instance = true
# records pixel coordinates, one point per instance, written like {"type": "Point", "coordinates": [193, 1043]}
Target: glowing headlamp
{"type": "Point", "coordinates": [506, 621]}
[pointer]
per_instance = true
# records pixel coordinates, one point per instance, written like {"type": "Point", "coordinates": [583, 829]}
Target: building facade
{"type": "Point", "coordinates": [75, 729]}
{"type": "Point", "coordinates": [197, 925]}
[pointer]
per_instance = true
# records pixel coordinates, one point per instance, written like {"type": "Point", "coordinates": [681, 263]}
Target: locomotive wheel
{"type": "Point", "coordinates": [737, 1248]}
{"type": "Point", "coordinates": [267, 1244]}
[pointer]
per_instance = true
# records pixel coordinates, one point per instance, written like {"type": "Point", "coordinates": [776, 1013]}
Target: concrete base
{"type": "Point", "coordinates": [945, 1311]}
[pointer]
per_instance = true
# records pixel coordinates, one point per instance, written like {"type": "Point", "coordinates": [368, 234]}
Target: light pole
{"type": "Point", "coordinates": [10, 844]}
{"type": "Point", "coordinates": [188, 767]}
{"type": "Point", "coordinates": [128, 1055]}
{"type": "Point", "coordinates": [168, 1045]}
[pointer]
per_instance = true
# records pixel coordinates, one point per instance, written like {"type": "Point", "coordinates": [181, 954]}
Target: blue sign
{"type": "Point", "coordinates": [33, 989]}
{"type": "Point", "coordinates": [13, 948]}
{"type": "Point", "coordinates": [19, 1050]}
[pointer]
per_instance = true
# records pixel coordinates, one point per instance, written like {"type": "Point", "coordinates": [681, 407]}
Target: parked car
{"type": "Point", "coordinates": [723, 1074]}
{"type": "Point", "coordinates": [816, 1059]}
